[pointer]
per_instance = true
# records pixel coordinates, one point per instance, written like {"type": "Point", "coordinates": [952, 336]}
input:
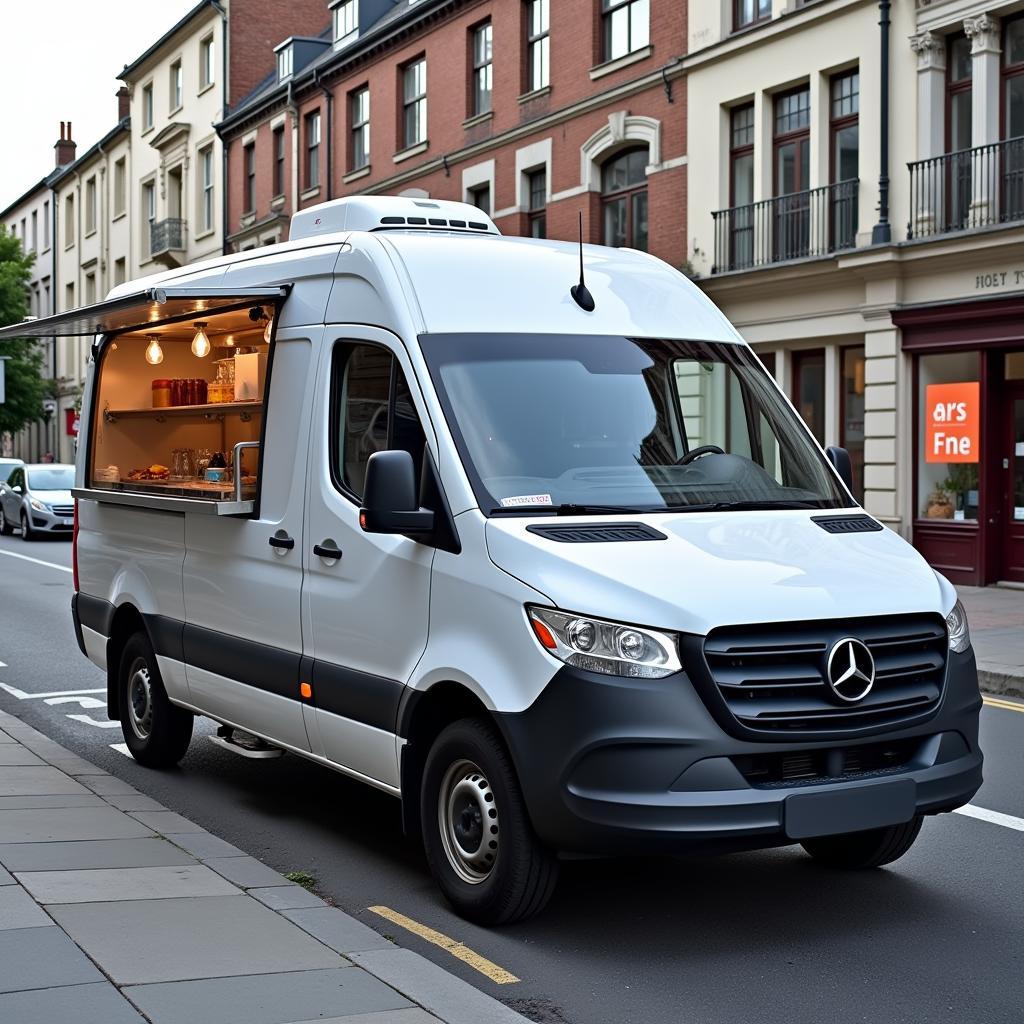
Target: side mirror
{"type": "Point", "coordinates": [390, 504]}
{"type": "Point", "coordinates": [18, 489]}
{"type": "Point", "coordinates": [840, 459]}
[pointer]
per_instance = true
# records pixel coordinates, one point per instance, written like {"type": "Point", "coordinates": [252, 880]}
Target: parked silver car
{"type": "Point", "coordinates": [37, 498]}
{"type": "Point", "coordinates": [8, 466]}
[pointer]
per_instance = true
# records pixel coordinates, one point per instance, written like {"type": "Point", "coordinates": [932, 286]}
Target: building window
{"type": "Point", "coordinates": [90, 205]}
{"type": "Point", "coordinates": [279, 161]}
{"type": "Point", "coordinates": [750, 12]}
{"type": "Point", "coordinates": [69, 221]}
{"type": "Point", "coordinates": [843, 124]}
{"type": "Point", "coordinates": [206, 180]}
{"type": "Point", "coordinates": [851, 414]}
{"type": "Point", "coordinates": [147, 106]}
{"type": "Point", "coordinates": [791, 235]}
{"type": "Point", "coordinates": [958, 187]}
{"type": "Point", "coordinates": [359, 107]}
{"type": "Point", "coordinates": [46, 225]}
{"type": "Point", "coordinates": [120, 270]}
{"type": "Point", "coordinates": [483, 68]}
{"type": "Point", "coordinates": [625, 26]}
{"type": "Point", "coordinates": [537, 198]}
{"type": "Point", "coordinates": [538, 45]}
{"type": "Point", "coordinates": [284, 63]}
{"type": "Point", "coordinates": [624, 199]}
{"type": "Point", "coordinates": [149, 201]}
{"type": "Point", "coordinates": [741, 186]}
{"type": "Point", "coordinates": [480, 197]}
{"type": "Point", "coordinates": [206, 62]}
{"type": "Point", "coordinates": [313, 149]}
{"type": "Point", "coordinates": [90, 289]}
{"type": "Point", "coordinates": [809, 390]}
{"type": "Point", "coordinates": [35, 230]}
{"type": "Point", "coordinates": [414, 103]}
{"type": "Point", "coordinates": [945, 490]}
{"type": "Point", "coordinates": [69, 296]}
{"type": "Point", "coordinates": [120, 185]}
{"type": "Point", "coordinates": [175, 86]}
{"type": "Point", "coordinates": [346, 21]}
{"type": "Point", "coordinates": [249, 161]}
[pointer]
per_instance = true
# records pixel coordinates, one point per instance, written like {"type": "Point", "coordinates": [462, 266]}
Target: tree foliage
{"type": "Point", "coordinates": [26, 387]}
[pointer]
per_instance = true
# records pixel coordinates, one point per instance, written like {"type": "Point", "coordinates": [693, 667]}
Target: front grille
{"type": "Point", "coordinates": [66, 511]}
{"type": "Point", "coordinates": [771, 678]}
{"type": "Point", "coordinates": [804, 767]}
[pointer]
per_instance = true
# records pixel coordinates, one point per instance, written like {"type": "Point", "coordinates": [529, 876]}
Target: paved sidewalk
{"type": "Point", "coordinates": [996, 618]}
{"type": "Point", "coordinates": [115, 910]}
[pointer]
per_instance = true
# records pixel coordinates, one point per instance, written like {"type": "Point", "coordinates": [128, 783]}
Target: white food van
{"type": "Point", "coordinates": [549, 557]}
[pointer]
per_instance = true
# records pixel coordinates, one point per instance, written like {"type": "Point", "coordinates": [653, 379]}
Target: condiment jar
{"type": "Point", "coordinates": [161, 393]}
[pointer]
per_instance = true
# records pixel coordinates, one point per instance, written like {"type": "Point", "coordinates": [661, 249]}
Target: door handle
{"type": "Point", "coordinates": [285, 543]}
{"type": "Point", "coordinates": [333, 552]}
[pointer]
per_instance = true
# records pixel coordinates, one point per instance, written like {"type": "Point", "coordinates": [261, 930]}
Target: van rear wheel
{"type": "Point", "coordinates": [871, 849]}
{"type": "Point", "coordinates": [479, 842]}
{"type": "Point", "coordinates": [156, 732]}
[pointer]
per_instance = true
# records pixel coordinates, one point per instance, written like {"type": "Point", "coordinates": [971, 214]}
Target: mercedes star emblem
{"type": "Point", "coordinates": [850, 671]}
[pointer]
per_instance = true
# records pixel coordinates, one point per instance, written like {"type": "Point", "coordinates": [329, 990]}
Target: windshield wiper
{"type": "Point", "coordinates": [571, 509]}
{"type": "Point", "coordinates": [743, 506]}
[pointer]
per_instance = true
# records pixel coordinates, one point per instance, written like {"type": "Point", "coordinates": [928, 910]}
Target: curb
{"type": "Point", "coordinates": [1000, 683]}
{"type": "Point", "coordinates": [420, 980]}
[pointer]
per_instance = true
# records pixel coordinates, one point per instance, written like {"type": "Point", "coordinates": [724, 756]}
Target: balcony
{"type": "Point", "coordinates": [801, 225]}
{"type": "Point", "coordinates": [167, 240]}
{"type": "Point", "coordinates": [972, 188]}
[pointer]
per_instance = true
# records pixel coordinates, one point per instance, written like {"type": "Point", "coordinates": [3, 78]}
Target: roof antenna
{"type": "Point", "coordinates": [580, 292]}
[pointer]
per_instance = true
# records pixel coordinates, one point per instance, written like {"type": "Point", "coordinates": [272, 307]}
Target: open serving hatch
{"type": "Point", "coordinates": [178, 395]}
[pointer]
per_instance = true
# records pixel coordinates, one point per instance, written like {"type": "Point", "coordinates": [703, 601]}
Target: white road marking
{"type": "Point", "coordinates": [121, 748]}
{"type": "Point", "coordinates": [83, 702]}
{"type": "Point", "coordinates": [995, 817]}
{"type": "Point", "coordinates": [25, 695]}
{"type": "Point", "coordinates": [38, 561]}
{"type": "Point", "coordinates": [92, 721]}
{"type": "Point", "coordinates": [3, 664]}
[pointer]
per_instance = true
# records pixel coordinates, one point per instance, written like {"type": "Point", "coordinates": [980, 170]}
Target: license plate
{"type": "Point", "coordinates": [850, 810]}
{"type": "Point", "coordinates": [67, 522]}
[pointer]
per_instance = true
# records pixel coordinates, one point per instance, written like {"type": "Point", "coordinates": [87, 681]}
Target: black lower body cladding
{"type": "Point", "coordinates": [611, 765]}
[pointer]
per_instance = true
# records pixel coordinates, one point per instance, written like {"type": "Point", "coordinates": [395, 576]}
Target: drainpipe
{"type": "Point", "coordinates": [225, 108]}
{"type": "Point", "coordinates": [881, 234]}
{"type": "Point", "coordinates": [329, 135]}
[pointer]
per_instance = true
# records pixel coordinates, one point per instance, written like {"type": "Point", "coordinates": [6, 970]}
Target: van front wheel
{"type": "Point", "coordinates": [871, 849]}
{"type": "Point", "coordinates": [477, 835]}
{"type": "Point", "coordinates": [156, 732]}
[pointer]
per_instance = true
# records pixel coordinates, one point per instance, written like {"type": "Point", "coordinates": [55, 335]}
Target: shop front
{"type": "Point", "coordinates": [967, 488]}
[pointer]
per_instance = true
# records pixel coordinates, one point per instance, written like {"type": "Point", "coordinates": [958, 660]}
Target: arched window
{"type": "Point", "coordinates": [624, 198]}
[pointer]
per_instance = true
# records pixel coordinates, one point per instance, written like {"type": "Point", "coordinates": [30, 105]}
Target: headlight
{"type": "Point", "coordinates": [613, 648]}
{"type": "Point", "coordinates": [956, 626]}
{"type": "Point", "coordinates": [38, 505]}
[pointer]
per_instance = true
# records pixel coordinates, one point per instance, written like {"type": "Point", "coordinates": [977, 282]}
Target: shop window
{"type": "Point", "coordinates": [624, 191]}
{"type": "Point", "coordinates": [947, 489]}
{"type": "Point", "coordinates": [809, 390]}
{"type": "Point", "coordinates": [851, 417]}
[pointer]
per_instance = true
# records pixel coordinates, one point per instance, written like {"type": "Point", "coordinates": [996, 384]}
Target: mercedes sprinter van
{"type": "Point", "coordinates": [518, 531]}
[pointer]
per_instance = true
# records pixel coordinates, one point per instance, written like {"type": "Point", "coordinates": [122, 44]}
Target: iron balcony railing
{"type": "Point", "coordinates": [797, 226]}
{"type": "Point", "coordinates": [972, 188]}
{"type": "Point", "coordinates": [166, 235]}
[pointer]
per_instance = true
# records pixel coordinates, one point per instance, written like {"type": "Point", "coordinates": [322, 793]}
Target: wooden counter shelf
{"type": "Point", "coordinates": [210, 411]}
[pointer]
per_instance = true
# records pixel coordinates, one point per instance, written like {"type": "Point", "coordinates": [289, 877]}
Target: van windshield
{"type": "Point", "coordinates": [600, 423]}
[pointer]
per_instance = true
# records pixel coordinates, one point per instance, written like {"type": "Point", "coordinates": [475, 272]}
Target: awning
{"type": "Point", "coordinates": [148, 308]}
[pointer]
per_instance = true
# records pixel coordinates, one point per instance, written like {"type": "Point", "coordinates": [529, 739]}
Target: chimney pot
{"type": "Point", "coordinates": [123, 103]}
{"type": "Point", "coordinates": [64, 149]}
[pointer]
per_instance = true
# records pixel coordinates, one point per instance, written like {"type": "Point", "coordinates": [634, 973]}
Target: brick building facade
{"type": "Point", "coordinates": [534, 111]}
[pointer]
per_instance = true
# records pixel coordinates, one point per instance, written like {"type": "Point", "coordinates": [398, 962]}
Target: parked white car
{"type": "Point", "coordinates": [518, 531]}
{"type": "Point", "coordinates": [36, 499]}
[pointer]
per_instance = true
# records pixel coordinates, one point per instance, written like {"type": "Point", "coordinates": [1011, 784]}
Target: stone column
{"type": "Point", "coordinates": [881, 348]}
{"type": "Point", "coordinates": [926, 196]}
{"type": "Point", "coordinates": [983, 31]}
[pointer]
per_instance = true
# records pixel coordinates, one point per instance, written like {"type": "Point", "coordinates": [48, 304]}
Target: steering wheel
{"type": "Point", "coordinates": [696, 453]}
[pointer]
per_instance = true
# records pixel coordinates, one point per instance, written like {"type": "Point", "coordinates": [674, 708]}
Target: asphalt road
{"type": "Point", "coordinates": [765, 937]}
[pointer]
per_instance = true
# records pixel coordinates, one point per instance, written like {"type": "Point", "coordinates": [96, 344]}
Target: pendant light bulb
{"type": "Point", "coordinates": [268, 330]}
{"type": "Point", "coordinates": [154, 353]}
{"type": "Point", "coordinates": [200, 343]}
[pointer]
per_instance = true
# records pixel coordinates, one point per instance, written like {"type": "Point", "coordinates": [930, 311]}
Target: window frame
{"type": "Point", "coordinates": [358, 129]}
{"type": "Point", "coordinates": [788, 137]}
{"type": "Point", "coordinates": [837, 123]}
{"type": "Point", "coordinates": [608, 10]}
{"type": "Point", "coordinates": [176, 86]}
{"type": "Point", "coordinates": [808, 354]}
{"type": "Point", "coordinates": [337, 11]}
{"type": "Point", "coordinates": [537, 213]}
{"type": "Point", "coordinates": [738, 24]}
{"type": "Point", "coordinates": [481, 68]}
{"type": "Point", "coordinates": [417, 101]}
{"type": "Point", "coordinates": [334, 410]}
{"type": "Point", "coordinates": [313, 140]}
{"type": "Point", "coordinates": [207, 62]}
{"type": "Point", "coordinates": [249, 178]}
{"type": "Point", "coordinates": [148, 106]}
{"type": "Point", "coordinates": [738, 151]}
{"type": "Point", "coordinates": [475, 191]}
{"type": "Point", "coordinates": [70, 227]}
{"type": "Point", "coordinates": [537, 42]}
{"type": "Point", "coordinates": [207, 181]}
{"type": "Point", "coordinates": [1007, 72]}
{"type": "Point", "coordinates": [277, 137]}
{"type": "Point", "coordinates": [953, 88]}
{"type": "Point", "coordinates": [91, 213]}
{"type": "Point", "coordinates": [627, 193]}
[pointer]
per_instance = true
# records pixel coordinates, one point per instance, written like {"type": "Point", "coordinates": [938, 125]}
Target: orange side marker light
{"type": "Point", "coordinates": [306, 691]}
{"type": "Point", "coordinates": [544, 634]}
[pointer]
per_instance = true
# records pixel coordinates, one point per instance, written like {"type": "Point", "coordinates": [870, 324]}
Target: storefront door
{"type": "Point", "coordinates": [1012, 464]}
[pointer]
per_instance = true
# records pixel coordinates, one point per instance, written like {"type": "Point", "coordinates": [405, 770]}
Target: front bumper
{"type": "Point", "coordinates": [50, 521]}
{"type": "Point", "coordinates": [613, 765]}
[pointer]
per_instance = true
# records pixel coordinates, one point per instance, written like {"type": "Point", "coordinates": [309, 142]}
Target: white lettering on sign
{"type": "Point", "coordinates": [950, 445]}
{"type": "Point", "coordinates": [948, 412]}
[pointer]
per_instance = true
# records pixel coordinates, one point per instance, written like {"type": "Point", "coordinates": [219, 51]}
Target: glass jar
{"type": "Point", "coordinates": [202, 392]}
{"type": "Point", "coordinates": [177, 392]}
{"type": "Point", "coordinates": [161, 393]}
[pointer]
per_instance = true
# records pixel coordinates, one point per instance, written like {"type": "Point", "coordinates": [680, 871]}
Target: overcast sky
{"type": "Point", "coordinates": [61, 60]}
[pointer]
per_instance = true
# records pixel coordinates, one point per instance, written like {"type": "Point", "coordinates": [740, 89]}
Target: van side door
{"type": "Point", "coordinates": [366, 596]}
{"type": "Point", "coordinates": [243, 576]}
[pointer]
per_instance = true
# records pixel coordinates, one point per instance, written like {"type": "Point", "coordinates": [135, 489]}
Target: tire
{"type": "Point", "coordinates": [157, 733]}
{"type": "Point", "coordinates": [859, 850]}
{"type": "Point", "coordinates": [27, 533]}
{"type": "Point", "coordinates": [5, 527]}
{"type": "Point", "coordinates": [469, 791]}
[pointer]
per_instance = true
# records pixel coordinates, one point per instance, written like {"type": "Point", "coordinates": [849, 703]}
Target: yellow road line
{"type": "Point", "coordinates": [491, 970]}
{"type": "Point", "coordinates": [995, 702]}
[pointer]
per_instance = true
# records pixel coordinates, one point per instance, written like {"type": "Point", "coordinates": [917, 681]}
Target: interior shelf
{"type": "Point", "coordinates": [210, 411]}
